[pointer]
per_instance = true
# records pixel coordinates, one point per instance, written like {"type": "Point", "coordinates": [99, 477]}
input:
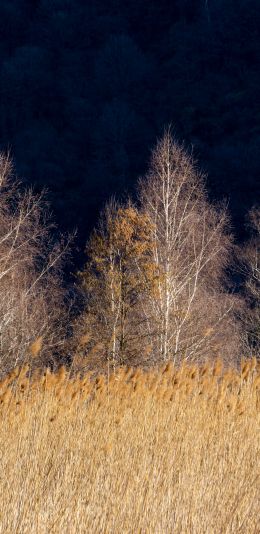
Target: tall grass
{"type": "Point", "coordinates": [167, 451]}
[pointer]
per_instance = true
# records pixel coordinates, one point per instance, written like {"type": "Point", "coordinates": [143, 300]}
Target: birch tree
{"type": "Point", "coordinates": [192, 244]}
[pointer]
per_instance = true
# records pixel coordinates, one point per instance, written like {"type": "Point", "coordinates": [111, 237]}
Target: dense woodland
{"type": "Point", "coordinates": [87, 87]}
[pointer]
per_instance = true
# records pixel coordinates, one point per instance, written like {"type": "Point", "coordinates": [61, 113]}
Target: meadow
{"type": "Point", "coordinates": [169, 450]}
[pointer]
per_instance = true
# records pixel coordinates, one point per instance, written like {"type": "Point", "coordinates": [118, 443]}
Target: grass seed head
{"type": "Point", "coordinates": [36, 347]}
{"type": "Point", "coordinates": [218, 367]}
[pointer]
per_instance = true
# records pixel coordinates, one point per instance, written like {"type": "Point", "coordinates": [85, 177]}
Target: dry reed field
{"type": "Point", "coordinates": [165, 451]}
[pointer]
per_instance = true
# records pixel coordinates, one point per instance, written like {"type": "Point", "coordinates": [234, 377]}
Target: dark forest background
{"type": "Point", "coordinates": [86, 87]}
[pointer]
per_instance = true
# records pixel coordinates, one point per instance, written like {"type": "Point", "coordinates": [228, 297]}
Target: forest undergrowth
{"type": "Point", "coordinates": [167, 450]}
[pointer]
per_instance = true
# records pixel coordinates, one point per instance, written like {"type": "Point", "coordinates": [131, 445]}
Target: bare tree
{"type": "Point", "coordinates": [191, 309]}
{"type": "Point", "coordinates": [249, 257]}
{"type": "Point", "coordinates": [31, 296]}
